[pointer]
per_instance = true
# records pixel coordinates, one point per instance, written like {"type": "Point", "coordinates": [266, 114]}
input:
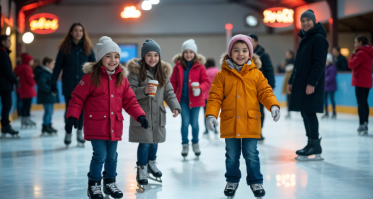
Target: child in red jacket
{"type": "Point", "coordinates": [102, 93]}
{"type": "Point", "coordinates": [26, 88]}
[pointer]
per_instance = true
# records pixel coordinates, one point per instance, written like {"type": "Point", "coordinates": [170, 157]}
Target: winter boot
{"type": "Point", "coordinates": [196, 150]}
{"type": "Point", "coordinates": [154, 173]}
{"type": "Point", "coordinates": [110, 188]}
{"type": "Point", "coordinates": [94, 190]}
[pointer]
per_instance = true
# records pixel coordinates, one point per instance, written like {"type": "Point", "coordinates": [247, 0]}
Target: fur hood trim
{"type": "Point", "coordinates": [88, 68]}
{"type": "Point", "coordinates": [255, 58]}
{"type": "Point", "coordinates": [134, 67]}
{"type": "Point", "coordinates": [178, 57]}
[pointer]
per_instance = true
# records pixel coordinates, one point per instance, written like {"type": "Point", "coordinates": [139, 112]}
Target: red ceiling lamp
{"type": "Point", "coordinates": [278, 17]}
{"type": "Point", "coordinates": [130, 12]}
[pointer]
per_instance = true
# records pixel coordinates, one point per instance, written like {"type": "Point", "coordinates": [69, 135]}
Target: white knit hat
{"type": "Point", "coordinates": [106, 45]}
{"type": "Point", "coordinates": [329, 57]}
{"type": "Point", "coordinates": [189, 44]}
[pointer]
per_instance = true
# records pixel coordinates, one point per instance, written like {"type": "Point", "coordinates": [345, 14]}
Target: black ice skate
{"type": "Point", "coordinates": [314, 149]}
{"type": "Point", "coordinates": [110, 188]}
{"type": "Point", "coordinates": [153, 172]}
{"type": "Point", "coordinates": [258, 190]}
{"type": "Point", "coordinates": [305, 148]}
{"type": "Point", "coordinates": [94, 190]}
{"type": "Point", "coordinates": [230, 190]}
{"type": "Point", "coordinates": [185, 151]}
{"type": "Point", "coordinates": [79, 138]}
{"type": "Point", "coordinates": [67, 139]}
{"type": "Point", "coordinates": [142, 177]}
{"type": "Point", "coordinates": [53, 129]}
{"type": "Point", "coordinates": [9, 130]}
{"type": "Point", "coordinates": [196, 150]}
{"type": "Point", "coordinates": [46, 131]}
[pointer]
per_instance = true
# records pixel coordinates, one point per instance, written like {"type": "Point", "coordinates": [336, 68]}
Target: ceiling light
{"type": "Point", "coordinates": [28, 37]}
{"type": "Point", "coordinates": [251, 20]}
{"type": "Point", "coordinates": [154, 2]}
{"type": "Point", "coordinates": [7, 32]}
{"type": "Point", "coordinates": [146, 5]}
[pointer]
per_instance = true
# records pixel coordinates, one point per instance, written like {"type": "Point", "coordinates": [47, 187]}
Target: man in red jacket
{"type": "Point", "coordinates": [361, 64]}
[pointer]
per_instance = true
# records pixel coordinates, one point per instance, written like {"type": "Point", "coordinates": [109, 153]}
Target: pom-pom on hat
{"type": "Point", "coordinates": [106, 45]}
{"type": "Point", "coordinates": [243, 38]}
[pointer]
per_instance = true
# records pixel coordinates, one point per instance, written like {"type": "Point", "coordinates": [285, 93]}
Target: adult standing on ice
{"type": "Point", "coordinates": [307, 81]}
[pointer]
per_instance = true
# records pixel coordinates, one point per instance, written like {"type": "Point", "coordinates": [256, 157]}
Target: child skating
{"type": "Point", "coordinates": [236, 91]}
{"type": "Point", "coordinates": [149, 78]}
{"type": "Point", "coordinates": [102, 93]}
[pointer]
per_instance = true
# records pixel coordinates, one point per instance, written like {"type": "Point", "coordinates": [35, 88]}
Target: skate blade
{"type": "Point", "coordinates": [155, 178]}
{"type": "Point", "coordinates": [305, 158]}
{"type": "Point", "coordinates": [230, 197]}
{"type": "Point", "coordinates": [14, 136]}
{"type": "Point", "coordinates": [141, 187]}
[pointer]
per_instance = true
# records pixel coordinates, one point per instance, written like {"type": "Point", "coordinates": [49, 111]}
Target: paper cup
{"type": "Point", "coordinates": [195, 85]}
{"type": "Point", "coordinates": [155, 84]}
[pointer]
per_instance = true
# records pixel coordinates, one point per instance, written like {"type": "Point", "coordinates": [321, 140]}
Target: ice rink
{"type": "Point", "coordinates": [35, 167]}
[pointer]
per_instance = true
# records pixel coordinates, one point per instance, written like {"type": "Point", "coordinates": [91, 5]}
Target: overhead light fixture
{"type": "Point", "coordinates": [251, 20]}
{"type": "Point", "coordinates": [130, 12]}
{"type": "Point", "coordinates": [7, 32]}
{"type": "Point", "coordinates": [146, 5]}
{"type": "Point", "coordinates": [28, 37]}
{"type": "Point", "coordinates": [154, 2]}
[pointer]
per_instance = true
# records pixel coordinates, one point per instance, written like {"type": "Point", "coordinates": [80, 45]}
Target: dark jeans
{"type": "Point", "coordinates": [26, 107]}
{"type": "Point", "coordinates": [362, 103]}
{"type": "Point", "coordinates": [80, 121]}
{"type": "Point", "coordinates": [48, 111]}
{"type": "Point", "coordinates": [206, 131]}
{"type": "Point", "coordinates": [146, 152]}
{"type": "Point", "coordinates": [6, 102]}
{"type": "Point", "coordinates": [104, 151]}
{"type": "Point", "coordinates": [311, 124]}
{"type": "Point", "coordinates": [233, 147]}
{"type": "Point", "coordinates": [189, 116]}
{"type": "Point", "coordinates": [19, 105]}
{"type": "Point", "coordinates": [288, 96]}
{"type": "Point", "coordinates": [262, 112]}
{"type": "Point", "coordinates": [331, 94]}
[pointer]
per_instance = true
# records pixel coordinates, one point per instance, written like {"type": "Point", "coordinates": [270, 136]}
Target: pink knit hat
{"type": "Point", "coordinates": [241, 37]}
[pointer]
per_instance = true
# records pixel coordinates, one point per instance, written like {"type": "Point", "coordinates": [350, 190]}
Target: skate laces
{"type": "Point", "coordinates": [96, 189]}
{"type": "Point", "coordinates": [143, 173]}
{"type": "Point", "coordinates": [153, 166]}
{"type": "Point", "coordinates": [256, 187]}
{"type": "Point", "coordinates": [113, 187]}
{"type": "Point", "coordinates": [231, 186]}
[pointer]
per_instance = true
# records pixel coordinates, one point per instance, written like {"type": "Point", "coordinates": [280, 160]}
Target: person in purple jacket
{"type": "Point", "coordinates": [330, 85]}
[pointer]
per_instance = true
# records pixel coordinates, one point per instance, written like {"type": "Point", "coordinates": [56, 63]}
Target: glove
{"type": "Point", "coordinates": [196, 92]}
{"type": "Point", "coordinates": [275, 111]}
{"type": "Point", "coordinates": [211, 122]}
{"type": "Point", "coordinates": [143, 121]}
{"type": "Point", "coordinates": [70, 122]}
{"type": "Point", "coordinates": [54, 89]}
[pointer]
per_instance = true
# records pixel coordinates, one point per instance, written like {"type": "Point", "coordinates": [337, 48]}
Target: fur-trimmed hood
{"type": "Point", "coordinates": [134, 67]}
{"type": "Point", "coordinates": [178, 57]}
{"type": "Point", "coordinates": [255, 58]}
{"type": "Point", "coordinates": [88, 68]}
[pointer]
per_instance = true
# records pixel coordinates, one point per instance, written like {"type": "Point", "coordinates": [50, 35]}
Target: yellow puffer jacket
{"type": "Point", "coordinates": [238, 96]}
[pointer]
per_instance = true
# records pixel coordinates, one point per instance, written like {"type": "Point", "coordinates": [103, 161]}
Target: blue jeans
{"type": "Point", "coordinates": [48, 111]}
{"type": "Point", "coordinates": [233, 147]}
{"type": "Point", "coordinates": [145, 152]}
{"type": "Point", "coordinates": [189, 116]}
{"type": "Point", "coordinates": [104, 151]}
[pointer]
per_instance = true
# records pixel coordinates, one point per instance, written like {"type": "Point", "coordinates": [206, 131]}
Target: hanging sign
{"type": "Point", "coordinates": [278, 17]}
{"type": "Point", "coordinates": [44, 23]}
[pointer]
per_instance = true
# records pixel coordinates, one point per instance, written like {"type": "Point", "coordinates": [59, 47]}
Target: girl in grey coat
{"type": "Point", "coordinates": [150, 67]}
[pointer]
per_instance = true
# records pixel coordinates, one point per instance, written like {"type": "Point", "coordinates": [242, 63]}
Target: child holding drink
{"type": "Point", "coordinates": [149, 79]}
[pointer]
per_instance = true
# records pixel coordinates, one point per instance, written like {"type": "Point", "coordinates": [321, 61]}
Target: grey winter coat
{"type": "Point", "coordinates": [153, 106]}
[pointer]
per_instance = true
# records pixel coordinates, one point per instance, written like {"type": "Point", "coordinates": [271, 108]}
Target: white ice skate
{"type": "Point", "coordinates": [196, 150]}
{"type": "Point", "coordinates": [185, 151]}
{"type": "Point", "coordinates": [153, 172]}
{"type": "Point", "coordinates": [142, 177]}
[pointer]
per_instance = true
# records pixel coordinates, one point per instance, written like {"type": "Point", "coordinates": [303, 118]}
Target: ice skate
{"type": "Point", "coordinates": [53, 129]}
{"type": "Point", "coordinates": [185, 151]}
{"type": "Point", "coordinates": [67, 140]}
{"type": "Point", "coordinates": [326, 116]}
{"type": "Point", "coordinates": [142, 177]}
{"type": "Point", "coordinates": [79, 138]}
{"type": "Point", "coordinates": [258, 190]}
{"type": "Point", "coordinates": [94, 190]}
{"type": "Point", "coordinates": [230, 190]}
{"type": "Point", "coordinates": [45, 131]}
{"type": "Point", "coordinates": [32, 123]}
{"type": "Point", "coordinates": [196, 150]}
{"type": "Point", "coordinates": [363, 129]}
{"type": "Point", "coordinates": [111, 188]}
{"type": "Point", "coordinates": [305, 148]}
{"type": "Point", "coordinates": [25, 123]}
{"type": "Point", "coordinates": [334, 116]}
{"type": "Point", "coordinates": [9, 130]}
{"type": "Point", "coordinates": [153, 172]}
{"type": "Point", "coordinates": [313, 149]}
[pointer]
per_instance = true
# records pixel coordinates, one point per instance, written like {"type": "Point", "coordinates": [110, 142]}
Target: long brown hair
{"type": "Point", "coordinates": [65, 45]}
{"type": "Point", "coordinates": [159, 73]}
{"type": "Point", "coordinates": [96, 75]}
{"type": "Point", "coordinates": [183, 61]}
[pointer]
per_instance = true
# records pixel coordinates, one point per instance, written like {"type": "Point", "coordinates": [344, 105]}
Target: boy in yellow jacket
{"type": "Point", "coordinates": [237, 90]}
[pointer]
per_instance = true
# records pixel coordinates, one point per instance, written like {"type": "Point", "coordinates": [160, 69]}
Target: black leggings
{"type": "Point", "coordinates": [311, 125]}
{"type": "Point", "coordinates": [80, 121]}
{"type": "Point", "coordinates": [362, 103]}
{"type": "Point", "coordinates": [331, 93]}
{"type": "Point", "coordinates": [26, 107]}
{"type": "Point", "coordinates": [6, 102]}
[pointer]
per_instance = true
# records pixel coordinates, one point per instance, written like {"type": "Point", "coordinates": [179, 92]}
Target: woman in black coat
{"type": "Point", "coordinates": [75, 50]}
{"type": "Point", "coordinates": [306, 83]}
